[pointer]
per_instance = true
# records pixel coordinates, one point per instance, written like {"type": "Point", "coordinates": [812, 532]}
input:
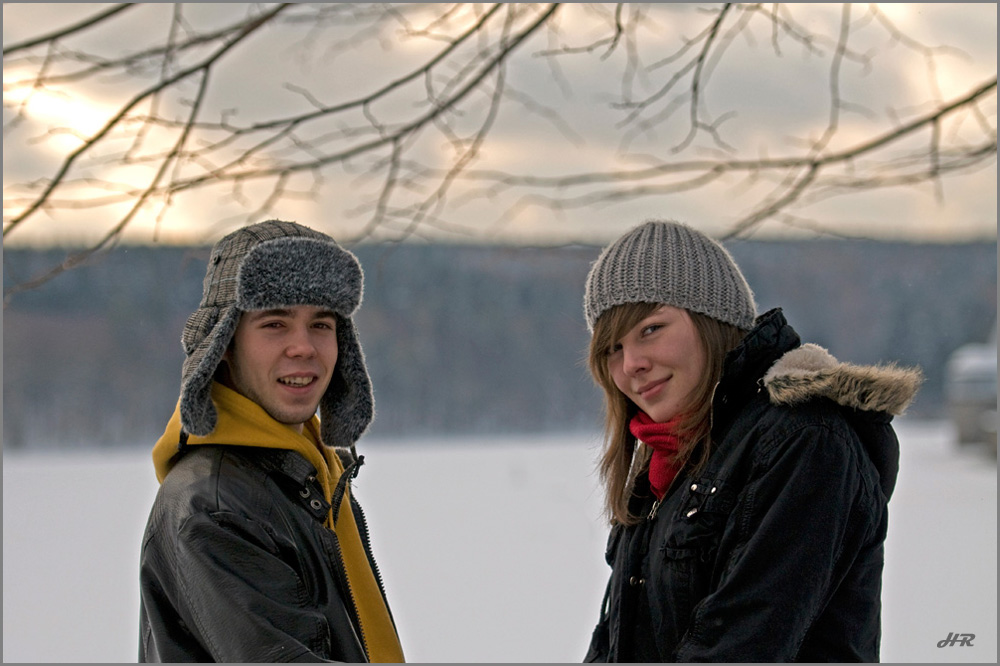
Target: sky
{"type": "Point", "coordinates": [768, 94]}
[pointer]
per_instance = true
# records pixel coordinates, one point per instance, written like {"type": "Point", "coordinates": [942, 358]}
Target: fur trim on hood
{"type": "Point", "coordinates": [810, 371]}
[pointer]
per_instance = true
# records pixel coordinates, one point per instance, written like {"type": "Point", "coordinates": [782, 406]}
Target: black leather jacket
{"type": "Point", "coordinates": [774, 552]}
{"type": "Point", "coordinates": [264, 509]}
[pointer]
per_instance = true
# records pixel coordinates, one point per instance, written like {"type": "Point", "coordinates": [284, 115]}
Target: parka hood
{"type": "Point", "coordinates": [809, 372]}
{"type": "Point", "coordinates": [870, 395]}
{"type": "Point", "coordinates": [773, 358]}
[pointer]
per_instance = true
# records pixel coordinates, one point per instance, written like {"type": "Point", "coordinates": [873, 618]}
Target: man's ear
{"type": "Point", "coordinates": [227, 356]}
{"type": "Point", "coordinates": [222, 373]}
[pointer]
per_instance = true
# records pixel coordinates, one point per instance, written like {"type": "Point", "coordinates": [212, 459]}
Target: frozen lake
{"type": "Point", "coordinates": [491, 549]}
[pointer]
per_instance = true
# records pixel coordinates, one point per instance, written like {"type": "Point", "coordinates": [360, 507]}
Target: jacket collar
{"type": "Point", "coordinates": [771, 356]}
{"type": "Point", "coordinates": [771, 337]}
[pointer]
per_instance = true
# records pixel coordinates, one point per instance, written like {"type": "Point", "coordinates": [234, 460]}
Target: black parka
{"type": "Point", "coordinates": [224, 511]}
{"type": "Point", "coordinates": [774, 551]}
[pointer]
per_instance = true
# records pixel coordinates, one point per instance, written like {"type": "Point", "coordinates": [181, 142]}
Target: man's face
{"type": "Point", "coordinates": [283, 360]}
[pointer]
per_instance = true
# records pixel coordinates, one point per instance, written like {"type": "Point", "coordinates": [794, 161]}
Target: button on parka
{"type": "Point", "coordinates": [774, 551]}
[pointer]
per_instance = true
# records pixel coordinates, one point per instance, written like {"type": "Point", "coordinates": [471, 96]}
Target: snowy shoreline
{"type": "Point", "coordinates": [513, 576]}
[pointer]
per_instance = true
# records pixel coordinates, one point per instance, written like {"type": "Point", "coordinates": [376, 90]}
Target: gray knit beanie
{"type": "Point", "coordinates": [269, 265]}
{"type": "Point", "coordinates": [670, 263]}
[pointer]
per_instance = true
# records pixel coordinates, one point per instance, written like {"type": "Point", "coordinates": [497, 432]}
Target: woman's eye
{"type": "Point", "coordinates": [612, 349]}
{"type": "Point", "coordinates": [651, 328]}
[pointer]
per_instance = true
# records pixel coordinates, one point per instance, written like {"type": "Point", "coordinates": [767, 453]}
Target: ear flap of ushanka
{"type": "Point", "coordinates": [348, 405]}
{"type": "Point", "coordinates": [206, 337]}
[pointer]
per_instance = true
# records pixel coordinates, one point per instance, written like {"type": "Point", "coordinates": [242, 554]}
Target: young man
{"type": "Point", "coordinates": [256, 549]}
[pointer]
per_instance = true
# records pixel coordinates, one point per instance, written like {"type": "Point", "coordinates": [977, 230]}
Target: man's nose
{"type": "Point", "coordinates": [300, 343]}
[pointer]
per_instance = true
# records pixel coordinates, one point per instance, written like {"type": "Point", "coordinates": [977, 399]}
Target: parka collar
{"type": "Point", "coordinates": [770, 337]}
{"type": "Point", "coordinates": [772, 357]}
{"type": "Point", "coordinates": [746, 364]}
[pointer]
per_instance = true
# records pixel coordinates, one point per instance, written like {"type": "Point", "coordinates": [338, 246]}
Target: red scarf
{"type": "Point", "coordinates": [662, 438]}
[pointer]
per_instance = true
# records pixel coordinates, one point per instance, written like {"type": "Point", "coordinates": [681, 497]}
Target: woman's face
{"type": "Point", "coordinates": [659, 363]}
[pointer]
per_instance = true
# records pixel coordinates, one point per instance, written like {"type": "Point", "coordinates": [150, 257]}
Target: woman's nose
{"type": "Point", "coordinates": [634, 360]}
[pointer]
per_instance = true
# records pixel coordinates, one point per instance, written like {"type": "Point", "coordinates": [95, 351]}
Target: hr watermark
{"type": "Point", "coordinates": [957, 640]}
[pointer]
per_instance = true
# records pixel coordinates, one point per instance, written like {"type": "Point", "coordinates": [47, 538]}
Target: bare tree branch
{"type": "Point", "coordinates": [80, 257]}
{"type": "Point", "coordinates": [442, 106]}
{"type": "Point", "coordinates": [445, 120]}
{"type": "Point", "coordinates": [113, 122]}
{"type": "Point", "coordinates": [66, 32]}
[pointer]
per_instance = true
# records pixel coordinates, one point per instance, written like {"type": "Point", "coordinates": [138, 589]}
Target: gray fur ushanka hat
{"type": "Point", "coordinates": [668, 262]}
{"type": "Point", "coordinates": [277, 264]}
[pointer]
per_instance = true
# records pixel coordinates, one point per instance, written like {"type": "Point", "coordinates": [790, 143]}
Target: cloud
{"type": "Point", "coordinates": [770, 96]}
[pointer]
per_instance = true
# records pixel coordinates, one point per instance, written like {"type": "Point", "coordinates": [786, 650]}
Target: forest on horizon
{"type": "Point", "coordinates": [458, 338]}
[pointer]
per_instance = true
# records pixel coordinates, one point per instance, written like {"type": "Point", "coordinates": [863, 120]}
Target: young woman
{"type": "Point", "coordinates": [746, 475]}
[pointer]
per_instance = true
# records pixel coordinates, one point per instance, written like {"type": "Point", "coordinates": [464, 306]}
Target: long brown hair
{"type": "Point", "coordinates": [619, 463]}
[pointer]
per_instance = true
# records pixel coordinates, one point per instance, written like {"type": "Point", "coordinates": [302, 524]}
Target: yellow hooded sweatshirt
{"type": "Point", "coordinates": [243, 422]}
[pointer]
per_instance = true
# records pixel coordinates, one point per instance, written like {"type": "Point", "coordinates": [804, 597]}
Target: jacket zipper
{"type": "Point", "coordinates": [652, 512]}
{"type": "Point", "coordinates": [353, 470]}
{"type": "Point", "coordinates": [368, 551]}
{"type": "Point", "coordinates": [350, 593]}
{"type": "Point", "coordinates": [337, 500]}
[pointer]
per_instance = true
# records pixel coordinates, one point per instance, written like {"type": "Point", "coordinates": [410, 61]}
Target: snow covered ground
{"type": "Point", "coordinates": [491, 549]}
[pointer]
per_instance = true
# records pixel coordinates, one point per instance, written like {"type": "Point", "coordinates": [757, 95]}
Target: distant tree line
{"type": "Point", "coordinates": [459, 339]}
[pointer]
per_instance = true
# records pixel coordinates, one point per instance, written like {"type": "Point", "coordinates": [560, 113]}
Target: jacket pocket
{"type": "Point", "coordinates": [677, 582]}
{"type": "Point", "coordinates": [683, 564]}
{"type": "Point", "coordinates": [701, 515]}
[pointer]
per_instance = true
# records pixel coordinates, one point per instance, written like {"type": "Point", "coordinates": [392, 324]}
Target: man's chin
{"type": "Point", "coordinates": [293, 418]}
